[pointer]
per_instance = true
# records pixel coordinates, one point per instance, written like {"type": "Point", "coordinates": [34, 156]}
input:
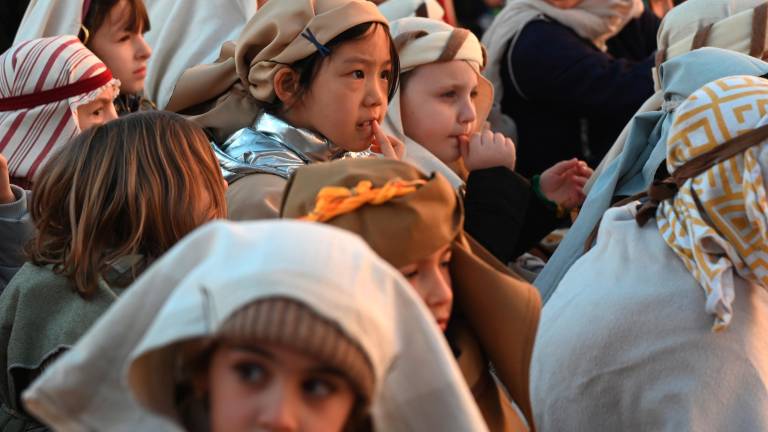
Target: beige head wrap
{"type": "Point", "coordinates": [279, 34]}
{"type": "Point", "coordinates": [422, 41]}
{"type": "Point", "coordinates": [717, 222]}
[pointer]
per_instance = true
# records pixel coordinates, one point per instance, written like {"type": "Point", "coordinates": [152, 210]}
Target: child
{"type": "Point", "coordinates": [440, 113]}
{"type": "Point", "coordinates": [112, 29]}
{"type": "Point", "coordinates": [53, 88]}
{"type": "Point", "coordinates": [414, 222]}
{"type": "Point", "coordinates": [241, 327]}
{"type": "Point", "coordinates": [109, 202]}
{"type": "Point", "coordinates": [314, 82]}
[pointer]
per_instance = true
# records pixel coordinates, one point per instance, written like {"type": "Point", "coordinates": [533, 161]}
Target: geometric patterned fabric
{"type": "Point", "coordinates": [717, 222]}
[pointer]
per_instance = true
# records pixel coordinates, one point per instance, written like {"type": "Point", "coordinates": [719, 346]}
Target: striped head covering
{"type": "Point", "coordinates": [42, 82]}
{"type": "Point", "coordinates": [717, 222]}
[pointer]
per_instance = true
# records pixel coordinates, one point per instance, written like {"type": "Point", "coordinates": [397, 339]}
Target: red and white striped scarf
{"type": "Point", "coordinates": [42, 82]}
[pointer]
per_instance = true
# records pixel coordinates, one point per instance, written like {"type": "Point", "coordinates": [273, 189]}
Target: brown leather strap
{"type": "Point", "coordinates": [701, 37]}
{"type": "Point", "coordinates": [661, 190]}
{"type": "Point", "coordinates": [759, 20]}
{"type": "Point", "coordinates": [454, 44]}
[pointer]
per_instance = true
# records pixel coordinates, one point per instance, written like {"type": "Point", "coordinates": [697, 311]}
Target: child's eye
{"type": "Point", "coordinates": [473, 94]}
{"type": "Point", "coordinates": [318, 388]}
{"type": "Point", "coordinates": [251, 373]}
{"type": "Point", "coordinates": [124, 38]}
{"type": "Point", "coordinates": [387, 75]}
{"type": "Point", "coordinates": [358, 74]}
{"type": "Point", "coordinates": [449, 94]}
{"type": "Point", "coordinates": [411, 274]}
{"type": "Point", "coordinates": [445, 263]}
{"type": "Point", "coordinates": [98, 112]}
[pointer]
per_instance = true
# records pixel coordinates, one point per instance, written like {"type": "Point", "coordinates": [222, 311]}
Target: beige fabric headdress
{"type": "Point", "coordinates": [717, 222]}
{"type": "Point", "coordinates": [421, 41]}
{"type": "Point", "coordinates": [279, 34]}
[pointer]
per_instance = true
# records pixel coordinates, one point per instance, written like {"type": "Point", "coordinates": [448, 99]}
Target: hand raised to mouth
{"type": "Point", "coordinates": [386, 145]}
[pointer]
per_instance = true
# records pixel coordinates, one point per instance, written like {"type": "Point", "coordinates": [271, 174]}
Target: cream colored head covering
{"type": "Point", "coordinates": [279, 34]}
{"type": "Point", "coordinates": [205, 278]}
{"type": "Point", "coordinates": [396, 9]}
{"type": "Point", "coordinates": [738, 25]}
{"type": "Point", "coordinates": [188, 33]}
{"type": "Point", "coordinates": [422, 41]}
{"type": "Point", "coordinates": [717, 222]}
{"type": "Point", "coordinates": [50, 18]}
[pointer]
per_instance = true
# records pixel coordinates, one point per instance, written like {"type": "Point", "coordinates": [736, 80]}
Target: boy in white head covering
{"type": "Point", "coordinates": [199, 289]}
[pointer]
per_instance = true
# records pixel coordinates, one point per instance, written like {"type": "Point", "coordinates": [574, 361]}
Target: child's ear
{"type": "Point", "coordinates": [286, 84]}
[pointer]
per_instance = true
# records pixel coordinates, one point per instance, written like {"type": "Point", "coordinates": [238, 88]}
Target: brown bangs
{"type": "Point", "coordinates": [136, 20]}
{"type": "Point", "coordinates": [134, 186]}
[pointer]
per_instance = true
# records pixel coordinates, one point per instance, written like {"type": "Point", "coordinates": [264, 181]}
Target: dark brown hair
{"type": "Point", "coordinates": [308, 67]}
{"type": "Point", "coordinates": [135, 185]}
{"type": "Point", "coordinates": [99, 10]}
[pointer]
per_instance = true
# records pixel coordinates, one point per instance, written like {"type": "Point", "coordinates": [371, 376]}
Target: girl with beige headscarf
{"type": "Point", "coordinates": [415, 222]}
{"type": "Point", "coordinates": [307, 81]}
{"type": "Point", "coordinates": [440, 111]}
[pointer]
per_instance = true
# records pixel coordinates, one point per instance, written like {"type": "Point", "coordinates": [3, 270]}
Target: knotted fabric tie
{"type": "Point", "coordinates": [333, 201]}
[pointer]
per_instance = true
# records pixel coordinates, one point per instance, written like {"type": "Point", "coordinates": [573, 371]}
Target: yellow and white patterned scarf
{"type": "Point", "coordinates": [718, 222]}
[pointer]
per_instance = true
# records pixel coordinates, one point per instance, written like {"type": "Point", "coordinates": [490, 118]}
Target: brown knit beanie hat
{"type": "Point", "coordinates": [293, 325]}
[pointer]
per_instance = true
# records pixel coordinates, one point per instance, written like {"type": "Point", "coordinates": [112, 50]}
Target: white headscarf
{"type": "Point", "coordinates": [223, 266]}
{"type": "Point", "coordinates": [426, 44]}
{"type": "Point", "coordinates": [188, 33]}
{"type": "Point", "coordinates": [594, 20]}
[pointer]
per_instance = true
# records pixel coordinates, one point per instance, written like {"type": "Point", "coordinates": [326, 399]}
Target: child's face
{"type": "Point", "coordinates": [98, 111]}
{"type": "Point", "coordinates": [124, 52]}
{"type": "Point", "coordinates": [349, 91]}
{"type": "Point", "coordinates": [272, 388]}
{"type": "Point", "coordinates": [431, 279]}
{"type": "Point", "coordinates": [437, 106]}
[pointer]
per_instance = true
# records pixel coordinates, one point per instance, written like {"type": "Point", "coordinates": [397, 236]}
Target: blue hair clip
{"type": "Point", "coordinates": [322, 49]}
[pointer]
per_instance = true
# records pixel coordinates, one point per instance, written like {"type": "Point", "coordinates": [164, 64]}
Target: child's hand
{"type": "Point", "coordinates": [488, 150]}
{"type": "Point", "coordinates": [6, 194]}
{"type": "Point", "coordinates": [387, 145]}
{"type": "Point", "coordinates": [563, 183]}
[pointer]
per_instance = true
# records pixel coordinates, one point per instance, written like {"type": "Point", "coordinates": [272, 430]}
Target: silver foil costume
{"type": "Point", "coordinates": [272, 146]}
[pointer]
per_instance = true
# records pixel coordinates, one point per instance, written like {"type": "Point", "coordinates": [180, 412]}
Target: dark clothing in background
{"type": "Point", "coordinates": [576, 99]}
{"type": "Point", "coordinates": [503, 213]}
{"type": "Point", "coordinates": [11, 13]}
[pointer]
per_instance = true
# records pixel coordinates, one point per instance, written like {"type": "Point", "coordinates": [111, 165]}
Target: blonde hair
{"type": "Point", "coordinates": [132, 186]}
